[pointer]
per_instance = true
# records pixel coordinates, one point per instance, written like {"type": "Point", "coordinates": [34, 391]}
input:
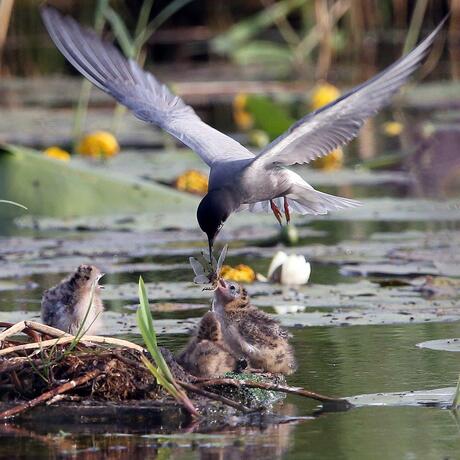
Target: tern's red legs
{"type": "Point", "coordinates": [286, 210]}
{"type": "Point", "coordinates": [276, 212]}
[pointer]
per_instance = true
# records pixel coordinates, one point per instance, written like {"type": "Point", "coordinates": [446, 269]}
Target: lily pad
{"type": "Point", "coordinates": [54, 188]}
{"type": "Point", "coordinates": [397, 269]}
{"type": "Point", "coordinates": [441, 397]}
{"type": "Point", "coordinates": [442, 344]}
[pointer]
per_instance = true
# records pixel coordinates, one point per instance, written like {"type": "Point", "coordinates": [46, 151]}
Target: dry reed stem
{"type": "Point", "coordinates": [13, 330]}
{"type": "Point", "coordinates": [44, 329]}
{"type": "Point", "coordinates": [68, 339]}
{"type": "Point", "coordinates": [6, 7]}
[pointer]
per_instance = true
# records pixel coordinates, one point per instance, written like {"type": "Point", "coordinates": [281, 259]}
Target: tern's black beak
{"type": "Point", "coordinates": [211, 245]}
{"type": "Point", "coordinates": [212, 212]}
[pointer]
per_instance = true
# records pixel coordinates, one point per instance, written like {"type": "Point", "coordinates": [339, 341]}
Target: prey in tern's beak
{"type": "Point", "coordinates": [208, 275]}
{"type": "Point", "coordinates": [238, 179]}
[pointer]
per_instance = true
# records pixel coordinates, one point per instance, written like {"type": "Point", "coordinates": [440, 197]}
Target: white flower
{"type": "Point", "coordinates": [285, 309]}
{"type": "Point", "coordinates": [289, 270]}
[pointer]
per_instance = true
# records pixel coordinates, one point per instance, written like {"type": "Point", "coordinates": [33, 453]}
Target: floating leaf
{"type": "Point", "coordinates": [441, 397]}
{"type": "Point", "coordinates": [52, 188]}
{"type": "Point", "coordinates": [442, 344]}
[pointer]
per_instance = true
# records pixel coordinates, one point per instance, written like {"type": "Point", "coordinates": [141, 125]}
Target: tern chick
{"type": "Point", "coordinates": [251, 333]}
{"type": "Point", "coordinates": [238, 179]}
{"type": "Point", "coordinates": [66, 305]}
{"type": "Point", "coordinates": [206, 354]}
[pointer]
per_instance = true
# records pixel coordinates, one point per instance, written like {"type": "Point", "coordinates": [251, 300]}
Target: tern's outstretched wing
{"type": "Point", "coordinates": [338, 122]}
{"type": "Point", "coordinates": [102, 64]}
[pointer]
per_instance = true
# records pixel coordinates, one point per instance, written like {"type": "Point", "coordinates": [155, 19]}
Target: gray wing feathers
{"type": "Point", "coordinates": [151, 101]}
{"type": "Point", "coordinates": [339, 122]}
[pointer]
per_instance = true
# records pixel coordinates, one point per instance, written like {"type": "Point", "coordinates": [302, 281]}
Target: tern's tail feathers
{"type": "Point", "coordinates": [304, 201]}
{"type": "Point", "coordinates": [314, 202]}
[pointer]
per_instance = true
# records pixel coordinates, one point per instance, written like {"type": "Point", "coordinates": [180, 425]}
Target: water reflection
{"type": "Point", "coordinates": [338, 361]}
{"type": "Point", "coordinates": [261, 441]}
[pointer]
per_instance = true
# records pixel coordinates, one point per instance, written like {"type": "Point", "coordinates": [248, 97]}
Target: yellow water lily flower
{"type": "Point", "coordinates": [322, 94]}
{"type": "Point", "coordinates": [393, 128]}
{"type": "Point", "coordinates": [331, 162]}
{"type": "Point", "coordinates": [258, 138]}
{"type": "Point", "coordinates": [242, 117]}
{"type": "Point", "coordinates": [57, 153]}
{"type": "Point", "coordinates": [192, 181]}
{"type": "Point", "coordinates": [99, 144]}
{"type": "Point", "coordinates": [241, 273]}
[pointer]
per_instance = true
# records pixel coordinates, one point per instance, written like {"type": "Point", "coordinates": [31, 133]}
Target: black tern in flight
{"type": "Point", "coordinates": [238, 179]}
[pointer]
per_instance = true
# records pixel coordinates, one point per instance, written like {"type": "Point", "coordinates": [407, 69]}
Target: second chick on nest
{"type": "Point", "coordinates": [206, 354]}
{"type": "Point", "coordinates": [64, 306]}
{"type": "Point", "coordinates": [250, 333]}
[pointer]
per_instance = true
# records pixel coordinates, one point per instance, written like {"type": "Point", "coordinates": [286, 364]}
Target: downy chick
{"type": "Point", "coordinates": [65, 305]}
{"type": "Point", "coordinates": [251, 333]}
{"type": "Point", "coordinates": [206, 354]}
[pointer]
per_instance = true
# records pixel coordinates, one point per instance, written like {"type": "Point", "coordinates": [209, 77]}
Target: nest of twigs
{"type": "Point", "coordinates": [51, 366]}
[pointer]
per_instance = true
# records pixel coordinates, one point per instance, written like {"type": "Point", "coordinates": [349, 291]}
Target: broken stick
{"type": "Point", "coordinates": [50, 394]}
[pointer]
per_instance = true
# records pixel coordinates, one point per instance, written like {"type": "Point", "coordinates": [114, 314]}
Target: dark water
{"type": "Point", "coordinates": [337, 361]}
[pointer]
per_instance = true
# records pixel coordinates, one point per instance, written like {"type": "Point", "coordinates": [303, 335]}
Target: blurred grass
{"type": "Point", "coordinates": [308, 31]}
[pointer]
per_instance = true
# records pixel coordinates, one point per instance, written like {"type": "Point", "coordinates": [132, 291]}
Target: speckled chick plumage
{"type": "Point", "coordinates": [206, 354]}
{"type": "Point", "coordinates": [65, 305]}
{"type": "Point", "coordinates": [251, 333]}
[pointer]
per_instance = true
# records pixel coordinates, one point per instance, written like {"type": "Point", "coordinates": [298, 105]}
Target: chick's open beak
{"type": "Point", "coordinates": [221, 285]}
{"type": "Point", "coordinates": [98, 279]}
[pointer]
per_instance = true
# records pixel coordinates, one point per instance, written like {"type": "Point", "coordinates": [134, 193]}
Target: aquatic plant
{"type": "Point", "coordinates": [162, 372]}
{"type": "Point", "coordinates": [192, 181]}
{"type": "Point", "coordinates": [13, 203]}
{"type": "Point", "coordinates": [57, 153]}
{"type": "Point", "coordinates": [98, 144]}
{"type": "Point", "coordinates": [289, 269]}
{"type": "Point", "coordinates": [392, 128]}
{"type": "Point", "coordinates": [456, 400]}
{"type": "Point", "coordinates": [241, 273]}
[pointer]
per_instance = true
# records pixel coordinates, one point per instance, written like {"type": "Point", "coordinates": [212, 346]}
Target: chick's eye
{"type": "Point", "coordinates": [232, 288]}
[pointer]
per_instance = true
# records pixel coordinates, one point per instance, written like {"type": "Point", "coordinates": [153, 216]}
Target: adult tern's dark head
{"type": "Point", "coordinates": [213, 211]}
{"type": "Point", "coordinates": [256, 183]}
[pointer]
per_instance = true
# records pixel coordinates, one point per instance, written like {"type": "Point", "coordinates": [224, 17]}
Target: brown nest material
{"type": "Point", "coordinates": [53, 365]}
